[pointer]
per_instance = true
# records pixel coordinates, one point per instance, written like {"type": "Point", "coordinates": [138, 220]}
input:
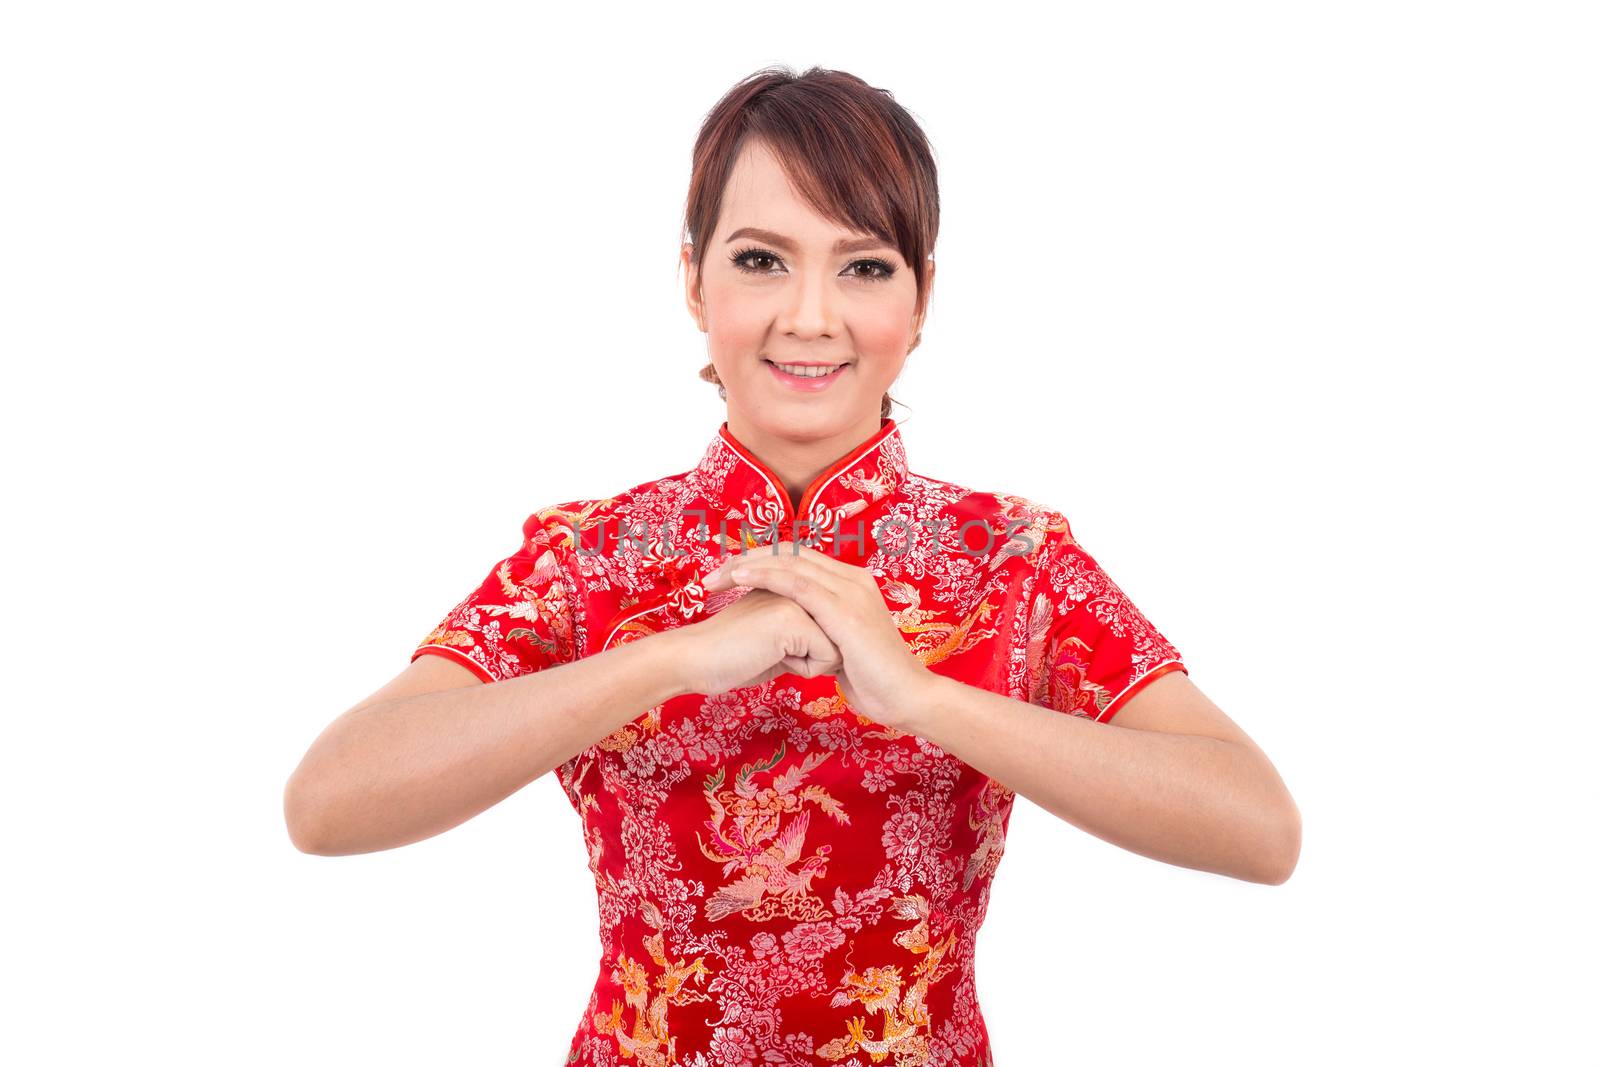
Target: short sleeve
{"type": "Point", "coordinates": [1097, 649]}
{"type": "Point", "coordinates": [518, 620]}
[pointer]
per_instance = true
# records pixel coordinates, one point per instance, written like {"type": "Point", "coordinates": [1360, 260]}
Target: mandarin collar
{"type": "Point", "coordinates": [734, 482]}
{"type": "Point", "coordinates": [732, 488]}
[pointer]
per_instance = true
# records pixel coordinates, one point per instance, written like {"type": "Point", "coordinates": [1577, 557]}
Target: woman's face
{"type": "Point", "coordinates": [780, 285]}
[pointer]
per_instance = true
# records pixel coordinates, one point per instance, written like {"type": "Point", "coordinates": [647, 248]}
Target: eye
{"type": "Point", "coordinates": [885, 271]}
{"type": "Point", "coordinates": [755, 260]}
{"type": "Point", "coordinates": [745, 257]}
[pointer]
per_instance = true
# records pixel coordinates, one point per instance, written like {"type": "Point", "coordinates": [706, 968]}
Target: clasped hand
{"type": "Point", "coordinates": [842, 627]}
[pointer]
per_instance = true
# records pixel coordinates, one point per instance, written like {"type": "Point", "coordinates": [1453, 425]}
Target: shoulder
{"type": "Point", "coordinates": [1032, 529]}
{"type": "Point", "coordinates": [560, 522]}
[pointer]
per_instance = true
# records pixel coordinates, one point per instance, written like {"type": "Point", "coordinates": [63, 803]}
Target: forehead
{"type": "Point", "coordinates": [760, 194]}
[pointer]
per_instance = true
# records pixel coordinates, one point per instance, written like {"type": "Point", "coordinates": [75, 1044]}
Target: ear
{"type": "Point", "coordinates": [691, 287]}
{"type": "Point", "coordinates": [916, 325]}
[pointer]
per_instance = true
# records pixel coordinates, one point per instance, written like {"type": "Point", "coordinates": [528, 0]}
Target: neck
{"type": "Point", "coordinates": [800, 461]}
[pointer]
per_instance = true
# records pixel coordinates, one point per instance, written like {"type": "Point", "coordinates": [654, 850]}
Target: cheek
{"type": "Point", "coordinates": [882, 332]}
{"type": "Point", "coordinates": [737, 324]}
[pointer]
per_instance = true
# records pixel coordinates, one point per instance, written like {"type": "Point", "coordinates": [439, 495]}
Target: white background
{"type": "Point", "coordinates": [1290, 308]}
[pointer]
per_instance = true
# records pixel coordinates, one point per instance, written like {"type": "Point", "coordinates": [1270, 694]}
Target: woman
{"type": "Point", "coordinates": [792, 692]}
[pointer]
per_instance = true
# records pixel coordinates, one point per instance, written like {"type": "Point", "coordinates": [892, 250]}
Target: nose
{"type": "Point", "coordinates": [812, 307]}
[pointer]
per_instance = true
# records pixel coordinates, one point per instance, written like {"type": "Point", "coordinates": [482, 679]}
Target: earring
{"type": "Point", "coordinates": [708, 373]}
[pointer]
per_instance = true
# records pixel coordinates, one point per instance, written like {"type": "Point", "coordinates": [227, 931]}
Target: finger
{"type": "Point", "coordinates": [825, 656]}
{"type": "Point", "coordinates": [782, 553]}
{"type": "Point", "coordinates": [827, 561]}
{"type": "Point", "coordinates": [807, 667]}
{"type": "Point", "coordinates": [816, 598]}
{"type": "Point", "coordinates": [814, 652]}
{"type": "Point", "coordinates": [842, 574]}
{"type": "Point", "coordinates": [742, 570]}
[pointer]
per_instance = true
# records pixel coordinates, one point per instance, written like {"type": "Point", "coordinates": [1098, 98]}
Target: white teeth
{"type": "Point", "coordinates": [806, 372]}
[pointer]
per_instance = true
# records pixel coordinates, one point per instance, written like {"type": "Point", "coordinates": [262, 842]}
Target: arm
{"type": "Point", "coordinates": [436, 746]}
{"type": "Point", "coordinates": [1172, 778]}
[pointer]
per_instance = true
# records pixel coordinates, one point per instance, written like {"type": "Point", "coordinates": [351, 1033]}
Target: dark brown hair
{"type": "Point", "coordinates": [854, 154]}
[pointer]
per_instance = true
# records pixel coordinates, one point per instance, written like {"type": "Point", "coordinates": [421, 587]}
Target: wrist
{"type": "Point", "coordinates": [671, 661]}
{"type": "Point", "coordinates": [922, 699]}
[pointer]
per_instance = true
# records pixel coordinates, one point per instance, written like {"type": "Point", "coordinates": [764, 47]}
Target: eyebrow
{"type": "Point", "coordinates": [844, 244]}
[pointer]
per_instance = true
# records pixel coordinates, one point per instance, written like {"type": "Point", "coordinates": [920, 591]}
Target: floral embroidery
{"type": "Point", "coordinates": [782, 882]}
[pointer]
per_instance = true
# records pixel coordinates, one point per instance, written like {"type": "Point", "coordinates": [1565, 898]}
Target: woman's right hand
{"type": "Point", "coordinates": [753, 640]}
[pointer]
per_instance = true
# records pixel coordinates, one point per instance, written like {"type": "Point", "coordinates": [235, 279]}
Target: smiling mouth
{"type": "Point", "coordinates": [802, 370]}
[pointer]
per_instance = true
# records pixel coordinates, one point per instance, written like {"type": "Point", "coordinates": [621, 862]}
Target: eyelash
{"type": "Point", "coordinates": [739, 257]}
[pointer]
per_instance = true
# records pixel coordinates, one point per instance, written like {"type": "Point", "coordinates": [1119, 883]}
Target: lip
{"type": "Point", "coordinates": [807, 385]}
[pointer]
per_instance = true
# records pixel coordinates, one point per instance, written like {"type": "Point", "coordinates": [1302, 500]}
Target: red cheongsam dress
{"type": "Point", "coordinates": [783, 882]}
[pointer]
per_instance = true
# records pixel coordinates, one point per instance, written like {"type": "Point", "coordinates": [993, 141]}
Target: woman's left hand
{"type": "Point", "coordinates": [881, 677]}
